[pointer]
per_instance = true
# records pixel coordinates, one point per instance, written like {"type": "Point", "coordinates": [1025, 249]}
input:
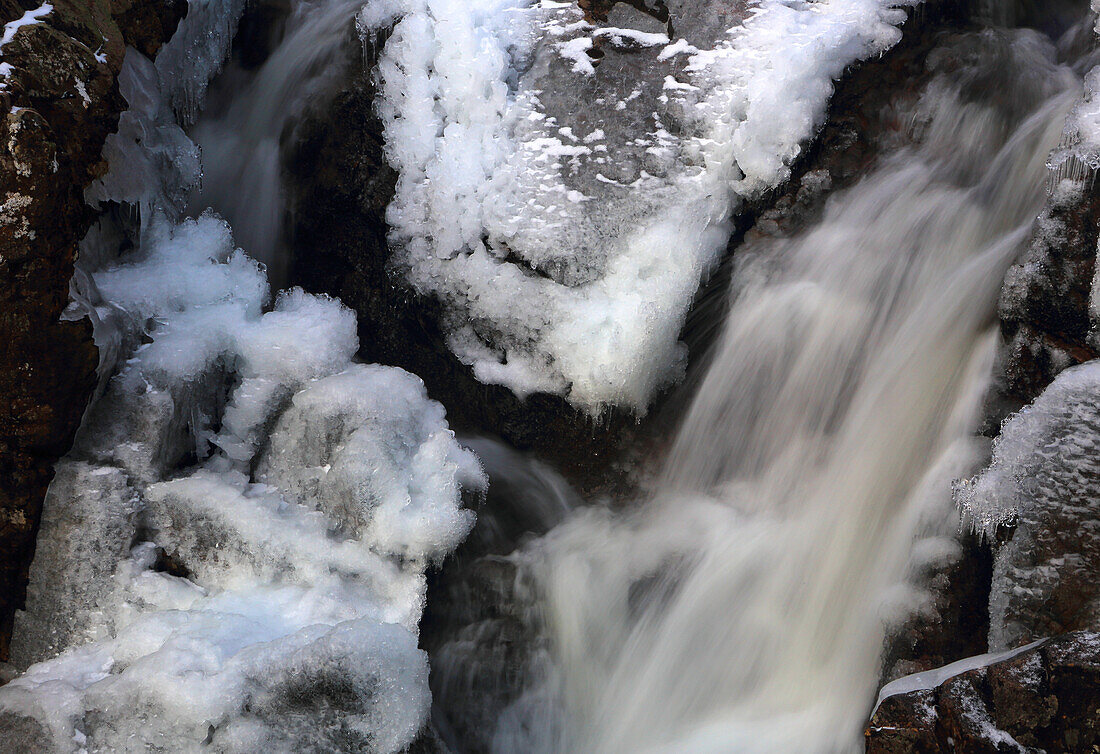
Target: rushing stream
{"type": "Point", "coordinates": [742, 607]}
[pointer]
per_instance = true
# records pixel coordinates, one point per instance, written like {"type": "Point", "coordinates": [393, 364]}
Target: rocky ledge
{"type": "Point", "coordinates": [1046, 698]}
{"type": "Point", "coordinates": [59, 100]}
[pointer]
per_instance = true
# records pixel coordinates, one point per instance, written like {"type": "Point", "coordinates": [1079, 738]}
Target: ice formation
{"type": "Point", "coordinates": [196, 52]}
{"type": "Point", "coordinates": [232, 558]}
{"type": "Point", "coordinates": [566, 210]}
{"type": "Point", "coordinates": [930, 679]}
{"type": "Point", "coordinates": [1078, 156]}
{"type": "Point", "coordinates": [1044, 478]}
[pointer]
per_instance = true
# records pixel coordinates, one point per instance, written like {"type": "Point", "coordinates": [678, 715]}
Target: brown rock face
{"type": "Point", "coordinates": [60, 101]}
{"type": "Point", "coordinates": [1046, 699]}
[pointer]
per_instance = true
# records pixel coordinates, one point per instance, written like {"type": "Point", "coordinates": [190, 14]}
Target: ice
{"type": "Point", "coordinates": [1078, 156]}
{"type": "Point", "coordinates": [930, 679]}
{"type": "Point", "coordinates": [296, 590]}
{"type": "Point", "coordinates": [232, 557]}
{"type": "Point", "coordinates": [234, 673]}
{"type": "Point", "coordinates": [196, 53]}
{"type": "Point", "coordinates": [541, 292]}
{"type": "Point", "coordinates": [153, 162]}
{"type": "Point", "coordinates": [368, 448]}
{"type": "Point", "coordinates": [1043, 479]}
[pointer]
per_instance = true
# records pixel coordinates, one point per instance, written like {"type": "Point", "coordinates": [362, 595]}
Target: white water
{"type": "Point", "coordinates": [742, 609]}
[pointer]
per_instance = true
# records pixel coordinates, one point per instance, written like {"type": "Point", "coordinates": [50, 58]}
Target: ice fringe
{"type": "Point", "coordinates": [232, 557]}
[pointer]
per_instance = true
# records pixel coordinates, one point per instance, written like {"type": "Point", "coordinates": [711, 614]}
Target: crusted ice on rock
{"type": "Point", "coordinates": [368, 448]}
{"type": "Point", "coordinates": [1044, 478]}
{"type": "Point", "coordinates": [232, 558]}
{"type": "Point", "coordinates": [567, 265]}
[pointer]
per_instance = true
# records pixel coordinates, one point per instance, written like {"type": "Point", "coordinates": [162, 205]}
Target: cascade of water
{"type": "Point", "coordinates": [242, 141]}
{"type": "Point", "coordinates": [742, 608]}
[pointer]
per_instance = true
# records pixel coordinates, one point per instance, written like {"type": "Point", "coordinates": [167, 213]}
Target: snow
{"type": "Point", "coordinates": [541, 292]}
{"type": "Point", "coordinates": [625, 36]}
{"type": "Point", "coordinates": [233, 554]}
{"type": "Point", "coordinates": [28, 18]}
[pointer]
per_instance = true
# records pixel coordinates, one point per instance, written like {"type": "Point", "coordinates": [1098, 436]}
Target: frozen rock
{"type": "Point", "coordinates": [500, 169]}
{"type": "Point", "coordinates": [1044, 481]}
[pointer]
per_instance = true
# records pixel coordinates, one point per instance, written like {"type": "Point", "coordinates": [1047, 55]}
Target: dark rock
{"type": "Point", "coordinates": [1045, 699]}
{"type": "Point", "coordinates": [60, 101]}
{"type": "Point", "coordinates": [25, 734]}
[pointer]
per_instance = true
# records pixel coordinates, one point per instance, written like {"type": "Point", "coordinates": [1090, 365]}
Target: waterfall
{"type": "Point", "coordinates": [242, 141]}
{"type": "Point", "coordinates": [742, 607]}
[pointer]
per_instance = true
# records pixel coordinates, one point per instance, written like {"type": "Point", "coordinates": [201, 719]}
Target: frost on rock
{"type": "Point", "coordinates": [246, 613]}
{"type": "Point", "coordinates": [1044, 477]}
{"type": "Point", "coordinates": [565, 184]}
{"type": "Point", "coordinates": [232, 558]}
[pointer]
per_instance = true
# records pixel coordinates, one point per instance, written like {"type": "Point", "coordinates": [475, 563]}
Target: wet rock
{"type": "Point", "coordinates": [1044, 306]}
{"type": "Point", "coordinates": [1046, 699]}
{"type": "Point", "coordinates": [59, 102]}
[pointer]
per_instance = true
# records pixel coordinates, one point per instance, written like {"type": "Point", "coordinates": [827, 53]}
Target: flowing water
{"type": "Point", "coordinates": [243, 135]}
{"type": "Point", "coordinates": [742, 607]}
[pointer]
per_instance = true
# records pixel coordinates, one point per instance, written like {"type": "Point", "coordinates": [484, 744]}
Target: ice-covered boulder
{"type": "Point", "coordinates": [234, 552]}
{"type": "Point", "coordinates": [558, 180]}
{"type": "Point", "coordinates": [566, 179]}
{"type": "Point", "coordinates": [233, 557]}
{"type": "Point", "coordinates": [1044, 481]}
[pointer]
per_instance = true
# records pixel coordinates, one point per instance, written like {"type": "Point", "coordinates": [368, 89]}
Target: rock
{"type": "Point", "coordinates": [1045, 699]}
{"type": "Point", "coordinates": [340, 186]}
{"type": "Point", "coordinates": [59, 102]}
{"type": "Point", "coordinates": [1044, 306]}
{"type": "Point", "coordinates": [24, 733]}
